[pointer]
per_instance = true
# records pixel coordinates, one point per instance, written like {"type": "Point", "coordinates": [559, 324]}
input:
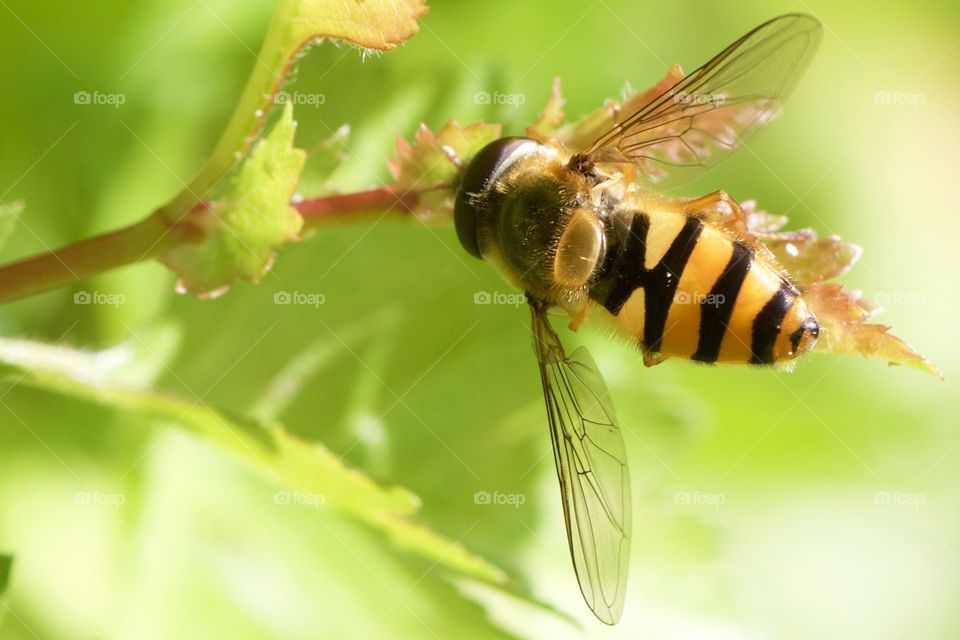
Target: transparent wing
{"type": "Point", "coordinates": [592, 469]}
{"type": "Point", "coordinates": [703, 118]}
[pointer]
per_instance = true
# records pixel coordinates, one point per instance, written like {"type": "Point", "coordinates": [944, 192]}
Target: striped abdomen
{"type": "Point", "coordinates": [685, 288]}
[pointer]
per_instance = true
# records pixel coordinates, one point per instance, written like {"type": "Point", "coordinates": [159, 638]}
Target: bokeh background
{"type": "Point", "coordinates": [823, 503]}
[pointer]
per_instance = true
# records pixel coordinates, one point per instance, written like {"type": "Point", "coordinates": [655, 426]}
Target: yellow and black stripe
{"type": "Point", "coordinates": [767, 324]}
{"type": "Point", "coordinates": [716, 317]}
{"type": "Point", "coordinates": [684, 288]}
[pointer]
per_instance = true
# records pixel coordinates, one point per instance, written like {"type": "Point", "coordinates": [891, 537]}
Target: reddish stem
{"type": "Point", "coordinates": [146, 239]}
{"type": "Point", "coordinates": [152, 237]}
{"type": "Point", "coordinates": [318, 211]}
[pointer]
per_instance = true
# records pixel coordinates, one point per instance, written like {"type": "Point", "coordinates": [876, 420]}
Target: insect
{"type": "Point", "coordinates": [583, 232]}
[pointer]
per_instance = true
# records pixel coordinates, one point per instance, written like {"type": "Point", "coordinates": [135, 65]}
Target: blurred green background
{"type": "Point", "coordinates": [819, 504]}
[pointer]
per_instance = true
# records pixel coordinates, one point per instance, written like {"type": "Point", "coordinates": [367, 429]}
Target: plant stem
{"type": "Point", "coordinates": [152, 236]}
{"type": "Point", "coordinates": [346, 208]}
{"type": "Point", "coordinates": [43, 272]}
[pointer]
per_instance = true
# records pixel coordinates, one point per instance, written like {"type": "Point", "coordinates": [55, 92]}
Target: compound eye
{"type": "Point", "coordinates": [471, 199]}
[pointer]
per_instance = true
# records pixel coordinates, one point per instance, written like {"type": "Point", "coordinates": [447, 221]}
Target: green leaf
{"type": "Point", "coordinates": [307, 472]}
{"type": "Point", "coordinates": [372, 24]}
{"type": "Point", "coordinates": [252, 219]}
{"type": "Point", "coordinates": [844, 329]}
{"type": "Point", "coordinates": [8, 218]}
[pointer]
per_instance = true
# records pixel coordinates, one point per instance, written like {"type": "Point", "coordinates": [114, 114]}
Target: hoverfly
{"type": "Point", "coordinates": [579, 232]}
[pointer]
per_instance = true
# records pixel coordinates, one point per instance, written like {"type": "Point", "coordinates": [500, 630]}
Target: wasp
{"type": "Point", "coordinates": [588, 233]}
